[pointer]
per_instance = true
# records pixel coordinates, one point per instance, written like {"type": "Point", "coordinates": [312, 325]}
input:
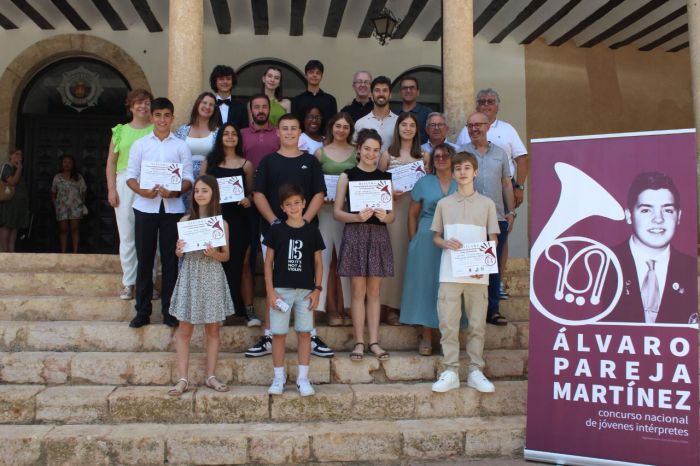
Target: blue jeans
{"type": "Point", "coordinates": [495, 278]}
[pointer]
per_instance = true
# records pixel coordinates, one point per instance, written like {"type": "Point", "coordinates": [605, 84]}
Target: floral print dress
{"type": "Point", "coordinates": [69, 197]}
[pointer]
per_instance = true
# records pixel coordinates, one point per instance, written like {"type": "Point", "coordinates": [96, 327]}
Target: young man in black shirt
{"type": "Point", "coordinates": [314, 95]}
{"type": "Point", "coordinates": [293, 270]}
{"type": "Point", "coordinates": [222, 81]}
{"type": "Point", "coordinates": [288, 165]}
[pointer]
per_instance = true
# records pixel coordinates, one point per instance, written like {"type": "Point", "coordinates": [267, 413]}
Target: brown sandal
{"type": "Point", "coordinates": [178, 389]}
{"type": "Point", "coordinates": [355, 356]}
{"type": "Point", "coordinates": [215, 384]}
{"type": "Point", "coordinates": [425, 347]}
{"type": "Point", "coordinates": [382, 356]}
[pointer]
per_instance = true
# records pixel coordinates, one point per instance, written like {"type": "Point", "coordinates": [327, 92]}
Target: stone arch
{"type": "Point", "coordinates": [44, 52]}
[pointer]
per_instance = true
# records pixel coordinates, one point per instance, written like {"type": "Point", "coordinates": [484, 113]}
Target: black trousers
{"type": "Point", "coordinates": [149, 230]}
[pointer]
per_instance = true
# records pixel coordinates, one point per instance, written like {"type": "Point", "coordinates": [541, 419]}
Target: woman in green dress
{"type": "Point", "coordinates": [14, 213]}
{"type": "Point", "coordinates": [272, 87]}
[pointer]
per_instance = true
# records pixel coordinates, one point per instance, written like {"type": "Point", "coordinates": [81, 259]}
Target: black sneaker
{"type": "Point", "coordinates": [262, 348]}
{"type": "Point", "coordinates": [320, 349]}
{"type": "Point", "coordinates": [139, 321]}
{"type": "Point", "coordinates": [170, 321]}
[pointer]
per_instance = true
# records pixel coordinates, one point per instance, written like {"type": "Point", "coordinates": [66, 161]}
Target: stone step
{"type": "Point", "coordinates": [117, 336]}
{"type": "Point", "coordinates": [60, 284]}
{"type": "Point", "coordinates": [46, 262]}
{"type": "Point", "coordinates": [159, 368]}
{"type": "Point", "coordinates": [96, 308]}
{"type": "Point", "coordinates": [369, 442]}
{"type": "Point", "coordinates": [80, 404]}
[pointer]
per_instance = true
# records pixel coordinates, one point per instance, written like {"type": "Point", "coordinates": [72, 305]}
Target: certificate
{"type": "Point", "coordinates": [230, 189]}
{"type": "Point", "coordinates": [475, 259]}
{"type": "Point", "coordinates": [331, 186]}
{"type": "Point", "coordinates": [374, 194]}
{"type": "Point", "coordinates": [200, 233]}
{"type": "Point", "coordinates": [404, 177]}
{"type": "Point", "coordinates": [165, 174]}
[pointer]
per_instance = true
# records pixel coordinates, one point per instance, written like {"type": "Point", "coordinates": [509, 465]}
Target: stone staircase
{"type": "Point", "coordinates": [77, 386]}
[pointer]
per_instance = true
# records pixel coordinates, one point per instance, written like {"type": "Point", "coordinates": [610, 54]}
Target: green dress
{"type": "Point", "coordinates": [276, 111]}
{"type": "Point", "coordinates": [15, 212]}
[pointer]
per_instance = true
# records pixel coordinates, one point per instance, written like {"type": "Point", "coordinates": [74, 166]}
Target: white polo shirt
{"type": "Point", "coordinates": [170, 149]}
{"type": "Point", "coordinates": [504, 136]}
{"type": "Point", "coordinates": [385, 127]}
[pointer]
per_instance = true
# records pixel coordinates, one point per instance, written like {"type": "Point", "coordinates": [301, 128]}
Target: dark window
{"type": "Point", "coordinates": [430, 82]}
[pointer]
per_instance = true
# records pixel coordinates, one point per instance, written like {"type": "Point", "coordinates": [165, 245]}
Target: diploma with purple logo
{"type": "Point", "coordinates": [475, 259]}
{"type": "Point", "coordinates": [404, 177]}
{"type": "Point", "coordinates": [231, 189]}
{"type": "Point", "coordinates": [165, 174]}
{"type": "Point", "coordinates": [374, 194]}
{"type": "Point", "coordinates": [200, 233]}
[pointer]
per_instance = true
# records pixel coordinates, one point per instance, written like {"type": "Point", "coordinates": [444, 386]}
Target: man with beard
{"type": "Point", "coordinates": [381, 118]}
{"type": "Point", "coordinates": [409, 90]}
{"type": "Point", "coordinates": [260, 138]}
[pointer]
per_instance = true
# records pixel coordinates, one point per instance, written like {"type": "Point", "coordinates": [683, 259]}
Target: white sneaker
{"type": "Point", "coordinates": [127, 293]}
{"type": "Point", "coordinates": [448, 380]}
{"type": "Point", "coordinates": [277, 387]}
{"type": "Point", "coordinates": [479, 381]}
{"type": "Point", "coordinates": [305, 388]}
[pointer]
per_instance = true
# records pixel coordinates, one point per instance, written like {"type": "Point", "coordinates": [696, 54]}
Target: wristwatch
{"type": "Point", "coordinates": [318, 287]}
{"type": "Point", "coordinates": [513, 213]}
{"type": "Point", "coordinates": [520, 187]}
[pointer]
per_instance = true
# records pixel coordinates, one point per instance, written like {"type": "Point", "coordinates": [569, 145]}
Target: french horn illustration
{"type": "Point", "coordinates": [580, 197]}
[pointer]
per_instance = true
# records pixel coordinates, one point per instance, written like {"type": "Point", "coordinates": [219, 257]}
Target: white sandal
{"type": "Point", "coordinates": [177, 389]}
{"type": "Point", "coordinates": [217, 384]}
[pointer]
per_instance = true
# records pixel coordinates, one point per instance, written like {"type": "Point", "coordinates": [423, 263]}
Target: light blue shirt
{"type": "Point", "coordinates": [493, 167]}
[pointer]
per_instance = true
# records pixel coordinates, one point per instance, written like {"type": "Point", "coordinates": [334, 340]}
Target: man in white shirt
{"type": "Point", "coordinates": [157, 211]}
{"type": "Point", "coordinates": [659, 283]}
{"type": "Point", "coordinates": [381, 118]}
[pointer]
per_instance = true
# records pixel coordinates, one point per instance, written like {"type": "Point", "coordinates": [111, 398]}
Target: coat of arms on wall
{"type": "Point", "coordinates": [80, 88]}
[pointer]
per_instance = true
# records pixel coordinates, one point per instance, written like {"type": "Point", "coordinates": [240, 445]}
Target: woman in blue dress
{"type": "Point", "coordinates": [421, 281]}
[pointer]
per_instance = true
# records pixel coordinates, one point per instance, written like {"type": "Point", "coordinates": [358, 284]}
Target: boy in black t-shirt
{"type": "Point", "coordinates": [288, 165]}
{"type": "Point", "coordinates": [293, 270]}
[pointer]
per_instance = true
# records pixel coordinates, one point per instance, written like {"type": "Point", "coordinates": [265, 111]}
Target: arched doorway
{"type": "Point", "coordinates": [69, 107]}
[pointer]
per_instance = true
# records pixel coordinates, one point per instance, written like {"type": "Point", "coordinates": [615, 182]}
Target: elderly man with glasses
{"type": "Point", "coordinates": [437, 129]}
{"type": "Point", "coordinates": [362, 104]}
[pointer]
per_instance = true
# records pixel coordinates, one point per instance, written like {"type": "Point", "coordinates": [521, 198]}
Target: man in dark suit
{"type": "Point", "coordinates": [659, 283]}
{"type": "Point", "coordinates": [222, 81]}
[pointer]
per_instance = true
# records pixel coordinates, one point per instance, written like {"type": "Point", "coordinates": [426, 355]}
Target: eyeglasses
{"type": "Point", "coordinates": [475, 125]}
{"type": "Point", "coordinates": [436, 125]}
{"type": "Point", "coordinates": [486, 101]}
{"type": "Point", "coordinates": [408, 88]}
{"type": "Point", "coordinates": [441, 156]}
{"type": "Point", "coordinates": [362, 83]}
{"type": "Point", "coordinates": [313, 117]}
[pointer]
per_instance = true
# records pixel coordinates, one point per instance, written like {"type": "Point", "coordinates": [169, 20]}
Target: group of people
{"type": "Point", "coordinates": [319, 254]}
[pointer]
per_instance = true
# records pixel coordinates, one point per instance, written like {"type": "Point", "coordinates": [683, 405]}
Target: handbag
{"type": "Point", "coordinates": [7, 192]}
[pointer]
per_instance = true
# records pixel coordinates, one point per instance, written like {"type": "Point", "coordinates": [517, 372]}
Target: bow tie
{"type": "Point", "coordinates": [219, 102]}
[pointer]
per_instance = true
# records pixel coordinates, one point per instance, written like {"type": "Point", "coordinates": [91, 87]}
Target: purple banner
{"type": "Point", "coordinates": [613, 358]}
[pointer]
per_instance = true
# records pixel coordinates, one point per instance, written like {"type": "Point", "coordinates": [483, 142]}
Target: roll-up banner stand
{"type": "Point", "coordinates": [613, 352]}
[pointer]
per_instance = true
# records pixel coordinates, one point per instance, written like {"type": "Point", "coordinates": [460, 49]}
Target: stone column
{"type": "Point", "coordinates": [185, 55]}
{"type": "Point", "coordinates": [457, 62]}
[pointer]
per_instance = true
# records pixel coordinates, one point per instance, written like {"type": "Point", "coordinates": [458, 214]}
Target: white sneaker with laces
{"type": "Point", "coordinates": [127, 293]}
{"type": "Point", "coordinates": [447, 381]}
{"type": "Point", "coordinates": [277, 387]}
{"type": "Point", "coordinates": [479, 381]}
{"type": "Point", "coordinates": [305, 388]}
